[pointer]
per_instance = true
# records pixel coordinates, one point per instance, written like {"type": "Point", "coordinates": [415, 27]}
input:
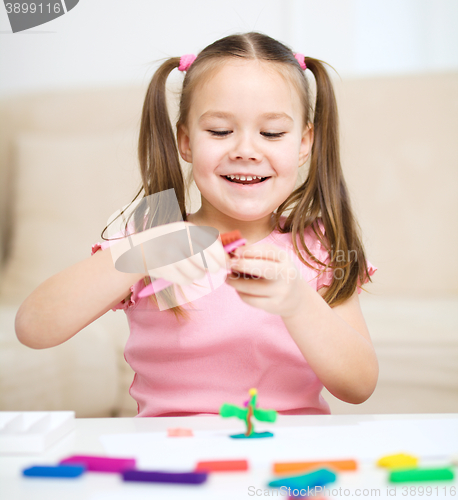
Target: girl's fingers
{"type": "Point", "coordinates": [260, 268]}
{"type": "Point", "coordinates": [191, 269]}
{"type": "Point", "coordinates": [213, 265]}
{"type": "Point", "coordinates": [172, 274]}
{"type": "Point", "coordinates": [198, 270]}
{"type": "Point", "coordinates": [265, 251]}
{"type": "Point", "coordinates": [215, 257]}
{"type": "Point", "coordinates": [252, 286]}
{"type": "Point", "coordinates": [183, 272]}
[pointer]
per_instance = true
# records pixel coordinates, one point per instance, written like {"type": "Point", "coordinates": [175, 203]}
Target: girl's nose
{"type": "Point", "coordinates": [245, 150]}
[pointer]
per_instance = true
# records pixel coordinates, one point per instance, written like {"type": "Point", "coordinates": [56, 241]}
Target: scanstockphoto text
{"type": "Point", "coordinates": [384, 492]}
{"type": "Point", "coordinates": [338, 259]}
{"type": "Point", "coordinates": [317, 491]}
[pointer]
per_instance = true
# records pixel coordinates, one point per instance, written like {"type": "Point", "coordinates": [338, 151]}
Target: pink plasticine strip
{"type": "Point", "coordinates": [159, 284]}
{"type": "Point", "coordinates": [230, 247]}
{"type": "Point", "coordinates": [101, 464]}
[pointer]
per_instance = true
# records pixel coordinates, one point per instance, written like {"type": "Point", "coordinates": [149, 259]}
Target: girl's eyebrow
{"type": "Point", "coordinates": [276, 116]}
{"type": "Point", "coordinates": [215, 114]}
{"type": "Point", "coordinates": [222, 114]}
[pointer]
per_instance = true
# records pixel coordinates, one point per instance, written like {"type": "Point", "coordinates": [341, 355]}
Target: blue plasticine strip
{"type": "Point", "coordinates": [64, 471]}
{"type": "Point", "coordinates": [164, 477]}
{"type": "Point", "coordinates": [319, 477]}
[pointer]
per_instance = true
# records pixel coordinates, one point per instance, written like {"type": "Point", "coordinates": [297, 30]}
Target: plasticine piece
{"type": "Point", "coordinates": [164, 477]}
{"type": "Point", "coordinates": [251, 410]}
{"type": "Point", "coordinates": [57, 471]}
{"type": "Point", "coordinates": [319, 477]}
{"type": "Point", "coordinates": [426, 474]}
{"type": "Point", "coordinates": [399, 461]}
{"type": "Point", "coordinates": [221, 466]}
{"type": "Point", "coordinates": [180, 432]}
{"type": "Point", "coordinates": [101, 464]}
{"type": "Point", "coordinates": [337, 465]}
{"type": "Point", "coordinates": [253, 435]}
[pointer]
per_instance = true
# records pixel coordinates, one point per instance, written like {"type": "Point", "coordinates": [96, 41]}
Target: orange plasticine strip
{"type": "Point", "coordinates": [338, 465]}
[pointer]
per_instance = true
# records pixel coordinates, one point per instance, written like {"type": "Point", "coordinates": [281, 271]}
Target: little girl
{"type": "Point", "coordinates": [246, 126]}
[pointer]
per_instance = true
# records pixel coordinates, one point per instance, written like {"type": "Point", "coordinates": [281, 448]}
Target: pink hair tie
{"type": "Point", "coordinates": [300, 59]}
{"type": "Point", "coordinates": [186, 61]}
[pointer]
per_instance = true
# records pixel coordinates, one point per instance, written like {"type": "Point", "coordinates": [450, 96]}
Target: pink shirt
{"type": "Point", "coordinates": [226, 348]}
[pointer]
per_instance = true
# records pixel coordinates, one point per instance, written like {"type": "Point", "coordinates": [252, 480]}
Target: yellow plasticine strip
{"type": "Point", "coordinates": [399, 461]}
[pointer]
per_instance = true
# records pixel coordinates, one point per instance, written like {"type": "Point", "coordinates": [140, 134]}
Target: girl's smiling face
{"type": "Point", "coordinates": [246, 120]}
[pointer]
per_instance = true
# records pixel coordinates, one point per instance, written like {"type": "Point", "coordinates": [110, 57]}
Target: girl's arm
{"type": "Point", "coordinates": [334, 341]}
{"type": "Point", "coordinates": [336, 344]}
{"type": "Point", "coordinates": [70, 300]}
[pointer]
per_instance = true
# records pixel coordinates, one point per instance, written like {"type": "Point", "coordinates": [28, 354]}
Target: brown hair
{"type": "Point", "coordinates": [323, 194]}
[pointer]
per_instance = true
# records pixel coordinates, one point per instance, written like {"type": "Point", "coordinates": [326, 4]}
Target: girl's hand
{"type": "Point", "coordinates": [185, 269]}
{"type": "Point", "coordinates": [274, 284]}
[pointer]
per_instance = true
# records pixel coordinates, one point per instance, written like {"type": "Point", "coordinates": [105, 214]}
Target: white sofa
{"type": "Point", "coordinates": [68, 161]}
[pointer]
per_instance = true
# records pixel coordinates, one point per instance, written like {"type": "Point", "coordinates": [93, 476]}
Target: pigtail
{"type": "Point", "coordinates": [348, 261]}
{"type": "Point", "coordinates": [159, 166]}
{"type": "Point", "coordinates": [157, 150]}
{"type": "Point", "coordinates": [324, 195]}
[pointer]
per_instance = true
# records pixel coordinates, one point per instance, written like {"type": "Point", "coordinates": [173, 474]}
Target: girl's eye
{"type": "Point", "coordinates": [274, 135]}
{"type": "Point", "coordinates": [224, 133]}
{"type": "Point", "coordinates": [219, 133]}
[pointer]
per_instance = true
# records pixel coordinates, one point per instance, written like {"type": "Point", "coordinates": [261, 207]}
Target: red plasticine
{"type": "Point", "coordinates": [221, 466]}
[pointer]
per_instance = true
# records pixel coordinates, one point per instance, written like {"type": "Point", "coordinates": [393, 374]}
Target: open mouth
{"type": "Point", "coordinates": [245, 179]}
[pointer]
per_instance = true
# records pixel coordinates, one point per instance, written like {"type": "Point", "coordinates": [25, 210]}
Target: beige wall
{"type": "Point", "coordinates": [399, 148]}
{"type": "Point", "coordinates": [400, 157]}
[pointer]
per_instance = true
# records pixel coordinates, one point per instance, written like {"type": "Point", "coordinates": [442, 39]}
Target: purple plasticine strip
{"type": "Point", "coordinates": [57, 471]}
{"type": "Point", "coordinates": [165, 477]}
{"type": "Point", "coordinates": [101, 464]}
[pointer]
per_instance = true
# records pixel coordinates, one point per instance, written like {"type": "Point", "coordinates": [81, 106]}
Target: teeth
{"type": "Point", "coordinates": [247, 178]}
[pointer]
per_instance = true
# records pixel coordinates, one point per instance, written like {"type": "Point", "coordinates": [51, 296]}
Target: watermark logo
{"type": "Point", "coordinates": [151, 237]}
{"type": "Point", "coordinates": [30, 13]}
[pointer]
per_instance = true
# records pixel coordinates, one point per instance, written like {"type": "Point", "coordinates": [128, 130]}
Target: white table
{"type": "Point", "coordinates": [85, 439]}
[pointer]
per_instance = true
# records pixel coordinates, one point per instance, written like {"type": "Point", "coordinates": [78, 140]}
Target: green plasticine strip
{"type": "Point", "coordinates": [430, 474]}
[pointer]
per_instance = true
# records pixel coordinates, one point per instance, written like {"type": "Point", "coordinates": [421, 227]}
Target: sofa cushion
{"type": "Point", "coordinates": [417, 349]}
{"type": "Point", "coordinates": [66, 187]}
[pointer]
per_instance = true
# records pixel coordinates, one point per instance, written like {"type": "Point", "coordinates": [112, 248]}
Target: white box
{"type": "Point", "coordinates": [27, 432]}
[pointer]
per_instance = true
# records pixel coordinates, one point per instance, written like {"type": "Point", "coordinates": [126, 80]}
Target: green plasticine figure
{"type": "Point", "coordinates": [228, 410]}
